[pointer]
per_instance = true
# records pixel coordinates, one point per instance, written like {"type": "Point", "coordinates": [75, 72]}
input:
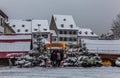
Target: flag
{"type": "Point", "coordinates": [50, 38]}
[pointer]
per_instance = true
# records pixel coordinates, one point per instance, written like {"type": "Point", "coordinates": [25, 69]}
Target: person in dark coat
{"type": "Point", "coordinates": [53, 58]}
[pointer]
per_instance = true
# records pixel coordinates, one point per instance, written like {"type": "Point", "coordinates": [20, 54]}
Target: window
{"type": "Point", "coordinates": [65, 32]}
{"type": "Point", "coordinates": [92, 33]}
{"type": "Point", "coordinates": [74, 39]}
{"type": "Point", "coordinates": [61, 32]}
{"type": "Point", "coordinates": [74, 32]}
{"type": "Point", "coordinates": [70, 39]}
{"type": "Point", "coordinates": [23, 25]}
{"type": "Point", "coordinates": [18, 30]}
{"type": "Point", "coordinates": [62, 25]}
{"type": "Point", "coordinates": [54, 39]}
{"type": "Point", "coordinates": [61, 38]}
{"type": "Point", "coordinates": [45, 29]}
{"type": "Point", "coordinates": [65, 39]}
{"type": "Point", "coordinates": [45, 36]}
{"type": "Point", "coordinates": [39, 24]}
{"type": "Point", "coordinates": [13, 26]}
{"type": "Point", "coordinates": [35, 29]}
{"type": "Point", "coordinates": [86, 32]}
{"type": "Point", "coordinates": [71, 26]}
{"type": "Point", "coordinates": [26, 30]}
{"type": "Point", "coordinates": [64, 19]}
{"type": "Point", "coordinates": [80, 32]}
{"type": "Point", "coordinates": [70, 32]}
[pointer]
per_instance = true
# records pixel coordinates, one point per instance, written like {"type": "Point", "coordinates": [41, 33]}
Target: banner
{"type": "Point", "coordinates": [50, 38]}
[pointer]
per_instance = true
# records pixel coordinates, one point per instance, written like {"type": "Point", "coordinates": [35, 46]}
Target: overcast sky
{"type": "Point", "coordinates": [95, 14]}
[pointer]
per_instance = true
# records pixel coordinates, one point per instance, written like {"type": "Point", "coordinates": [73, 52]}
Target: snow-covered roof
{"type": "Point", "coordinates": [40, 25]}
{"type": "Point", "coordinates": [85, 32]}
{"type": "Point", "coordinates": [20, 26]}
{"type": "Point", "coordinates": [64, 22]}
{"type": "Point", "coordinates": [15, 43]}
{"type": "Point", "coordinates": [29, 26]}
{"type": "Point", "coordinates": [103, 46]}
{"type": "Point", "coordinates": [53, 32]}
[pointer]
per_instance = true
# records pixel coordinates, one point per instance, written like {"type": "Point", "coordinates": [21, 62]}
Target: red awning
{"type": "Point", "coordinates": [12, 54]}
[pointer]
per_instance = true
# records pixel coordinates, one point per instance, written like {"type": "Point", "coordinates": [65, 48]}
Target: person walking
{"type": "Point", "coordinates": [58, 59]}
{"type": "Point", "coordinates": [53, 58]}
{"type": "Point", "coordinates": [10, 62]}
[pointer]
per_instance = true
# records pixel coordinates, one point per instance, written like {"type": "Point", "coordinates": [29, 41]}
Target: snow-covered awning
{"type": "Point", "coordinates": [103, 46]}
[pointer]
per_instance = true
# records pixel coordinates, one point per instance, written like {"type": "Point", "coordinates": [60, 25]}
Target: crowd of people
{"type": "Point", "coordinates": [56, 57]}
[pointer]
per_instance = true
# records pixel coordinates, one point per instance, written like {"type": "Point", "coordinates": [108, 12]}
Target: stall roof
{"type": "Point", "coordinates": [103, 46]}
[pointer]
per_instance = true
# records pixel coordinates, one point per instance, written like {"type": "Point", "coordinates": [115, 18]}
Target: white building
{"type": "Point", "coordinates": [86, 33]}
{"type": "Point", "coordinates": [62, 27]}
{"type": "Point", "coordinates": [65, 28]}
{"type": "Point", "coordinates": [30, 26]}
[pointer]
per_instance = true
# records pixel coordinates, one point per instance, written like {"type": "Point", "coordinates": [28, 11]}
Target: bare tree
{"type": "Point", "coordinates": [116, 27]}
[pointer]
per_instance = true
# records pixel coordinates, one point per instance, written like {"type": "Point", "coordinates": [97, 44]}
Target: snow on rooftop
{"type": "Point", "coordinates": [20, 26]}
{"type": "Point", "coordinates": [28, 26]}
{"type": "Point", "coordinates": [103, 46]}
{"type": "Point", "coordinates": [40, 25]}
{"type": "Point", "coordinates": [85, 32]}
{"type": "Point", "coordinates": [65, 22]}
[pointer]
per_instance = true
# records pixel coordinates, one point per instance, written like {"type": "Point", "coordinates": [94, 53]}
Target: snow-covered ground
{"type": "Point", "coordinates": [67, 72]}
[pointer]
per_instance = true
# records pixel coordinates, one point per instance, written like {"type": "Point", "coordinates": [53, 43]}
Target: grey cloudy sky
{"type": "Point", "coordinates": [95, 14]}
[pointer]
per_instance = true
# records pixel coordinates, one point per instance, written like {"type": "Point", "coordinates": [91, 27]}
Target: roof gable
{"type": "Point", "coordinates": [65, 22]}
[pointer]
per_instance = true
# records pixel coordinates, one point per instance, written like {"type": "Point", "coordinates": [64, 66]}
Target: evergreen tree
{"type": "Point", "coordinates": [116, 27]}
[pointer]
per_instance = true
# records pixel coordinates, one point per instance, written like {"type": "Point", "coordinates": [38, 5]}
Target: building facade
{"type": "Point", "coordinates": [86, 33]}
{"type": "Point", "coordinates": [3, 20]}
{"type": "Point", "coordinates": [65, 28]}
{"type": "Point", "coordinates": [62, 27]}
{"type": "Point", "coordinates": [4, 26]}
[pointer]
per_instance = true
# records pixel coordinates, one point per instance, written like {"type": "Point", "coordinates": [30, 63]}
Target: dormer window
{"type": "Point", "coordinates": [80, 32]}
{"type": "Point", "coordinates": [39, 24]}
{"type": "Point", "coordinates": [64, 19]}
{"type": "Point", "coordinates": [18, 30]}
{"type": "Point", "coordinates": [92, 33]}
{"type": "Point", "coordinates": [26, 30]}
{"type": "Point", "coordinates": [65, 32]}
{"type": "Point", "coordinates": [86, 32]}
{"type": "Point", "coordinates": [45, 29]}
{"type": "Point", "coordinates": [23, 25]}
{"type": "Point", "coordinates": [35, 29]}
{"type": "Point", "coordinates": [13, 26]}
{"type": "Point", "coordinates": [62, 25]}
{"type": "Point", "coordinates": [71, 26]}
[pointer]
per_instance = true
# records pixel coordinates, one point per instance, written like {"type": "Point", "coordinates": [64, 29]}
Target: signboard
{"type": "Point", "coordinates": [59, 45]}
